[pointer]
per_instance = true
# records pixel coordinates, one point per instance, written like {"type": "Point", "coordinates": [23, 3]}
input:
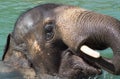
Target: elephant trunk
{"type": "Point", "coordinates": [95, 30]}
{"type": "Point", "coordinates": [113, 63]}
{"type": "Point", "coordinates": [104, 63]}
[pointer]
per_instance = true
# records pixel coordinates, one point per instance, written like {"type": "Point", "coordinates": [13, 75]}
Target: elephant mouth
{"type": "Point", "coordinates": [79, 63]}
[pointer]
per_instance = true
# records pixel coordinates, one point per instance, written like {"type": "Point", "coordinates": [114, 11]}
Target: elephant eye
{"type": "Point", "coordinates": [49, 31]}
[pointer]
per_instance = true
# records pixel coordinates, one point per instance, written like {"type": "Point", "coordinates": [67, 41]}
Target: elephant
{"type": "Point", "coordinates": [48, 38]}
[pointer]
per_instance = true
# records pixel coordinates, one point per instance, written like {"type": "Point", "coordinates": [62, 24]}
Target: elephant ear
{"type": "Point", "coordinates": [14, 54]}
{"type": "Point", "coordinates": [6, 46]}
{"type": "Point", "coordinates": [9, 47]}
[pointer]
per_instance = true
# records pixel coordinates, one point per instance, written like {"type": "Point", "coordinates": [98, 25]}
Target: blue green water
{"type": "Point", "coordinates": [11, 9]}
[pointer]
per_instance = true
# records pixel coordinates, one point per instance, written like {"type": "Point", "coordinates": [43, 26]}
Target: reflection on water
{"type": "Point", "coordinates": [11, 9]}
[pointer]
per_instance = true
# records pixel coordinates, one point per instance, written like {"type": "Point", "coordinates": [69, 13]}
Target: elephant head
{"type": "Point", "coordinates": [49, 36]}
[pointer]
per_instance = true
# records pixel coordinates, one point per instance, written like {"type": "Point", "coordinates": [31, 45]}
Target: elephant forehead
{"type": "Point", "coordinates": [26, 22]}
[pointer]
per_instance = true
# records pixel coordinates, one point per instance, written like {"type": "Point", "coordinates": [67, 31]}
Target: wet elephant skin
{"type": "Point", "coordinates": [48, 37]}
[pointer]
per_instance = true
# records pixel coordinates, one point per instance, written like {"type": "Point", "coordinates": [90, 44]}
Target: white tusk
{"type": "Point", "coordinates": [85, 49]}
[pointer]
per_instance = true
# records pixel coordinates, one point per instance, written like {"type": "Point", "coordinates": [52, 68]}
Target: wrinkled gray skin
{"type": "Point", "coordinates": [47, 39]}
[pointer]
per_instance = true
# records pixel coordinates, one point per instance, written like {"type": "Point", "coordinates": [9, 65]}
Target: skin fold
{"type": "Point", "coordinates": [48, 37]}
